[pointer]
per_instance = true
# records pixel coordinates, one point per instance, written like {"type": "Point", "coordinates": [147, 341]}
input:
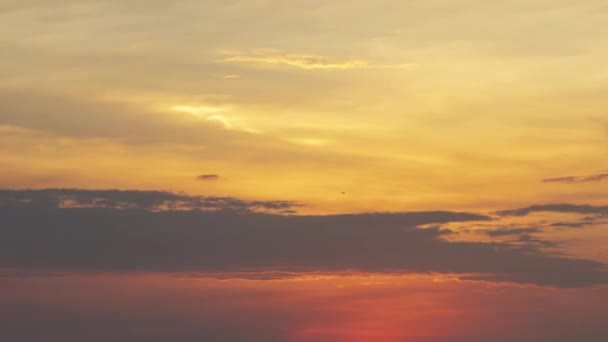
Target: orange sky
{"type": "Point", "coordinates": [303, 110]}
{"type": "Point", "coordinates": [355, 308]}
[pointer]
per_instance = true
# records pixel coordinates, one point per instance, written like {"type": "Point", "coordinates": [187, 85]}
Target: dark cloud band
{"type": "Point", "coordinates": [134, 199]}
{"type": "Point", "coordinates": [44, 237]}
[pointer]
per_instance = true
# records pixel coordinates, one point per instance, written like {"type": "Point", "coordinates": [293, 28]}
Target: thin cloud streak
{"type": "Point", "coordinates": [208, 177]}
{"type": "Point", "coordinates": [306, 61]}
{"type": "Point", "coordinates": [134, 199]}
{"type": "Point", "coordinates": [578, 179]}
{"type": "Point", "coordinates": [556, 208]}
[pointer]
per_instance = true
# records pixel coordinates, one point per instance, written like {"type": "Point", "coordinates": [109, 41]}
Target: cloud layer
{"type": "Point", "coordinates": [557, 208]}
{"type": "Point", "coordinates": [133, 199]}
{"type": "Point", "coordinates": [39, 234]}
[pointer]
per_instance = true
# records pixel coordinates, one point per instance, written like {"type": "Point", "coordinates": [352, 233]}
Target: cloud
{"type": "Point", "coordinates": [596, 178]}
{"type": "Point", "coordinates": [531, 243]}
{"type": "Point", "coordinates": [66, 115]}
{"type": "Point", "coordinates": [36, 117]}
{"type": "Point", "coordinates": [133, 199]}
{"type": "Point", "coordinates": [576, 179]}
{"type": "Point", "coordinates": [510, 231]}
{"type": "Point", "coordinates": [558, 208]}
{"type": "Point", "coordinates": [48, 237]}
{"type": "Point", "coordinates": [305, 61]}
{"type": "Point", "coordinates": [570, 224]}
{"type": "Point", "coordinates": [570, 179]}
{"type": "Point", "coordinates": [231, 76]}
{"type": "Point", "coordinates": [208, 177]}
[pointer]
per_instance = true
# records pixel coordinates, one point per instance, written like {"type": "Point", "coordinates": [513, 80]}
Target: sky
{"type": "Point", "coordinates": [303, 170]}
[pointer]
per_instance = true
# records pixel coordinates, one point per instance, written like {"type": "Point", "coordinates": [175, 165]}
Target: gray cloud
{"type": "Point", "coordinates": [530, 243]}
{"type": "Point", "coordinates": [570, 179]}
{"type": "Point", "coordinates": [208, 177]}
{"type": "Point", "coordinates": [570, 224]}
{"type": "Point", "coordinates": [133, 199]}
{"type": "Point", "coordinates": [109, 239]}
{"type": "Point", "coordinates": [510, 231]}
{"type": "Point", "coordinates": [577, 179]}
{"type": "Point", "coordinates": [558, 208]}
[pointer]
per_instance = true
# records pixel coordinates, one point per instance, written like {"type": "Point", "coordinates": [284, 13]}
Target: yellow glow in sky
{"type": "Point", "coordinates": [402, 105]}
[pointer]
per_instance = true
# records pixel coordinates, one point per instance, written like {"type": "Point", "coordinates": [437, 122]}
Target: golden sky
{"type": "Point", "coordinates": [344, 105]}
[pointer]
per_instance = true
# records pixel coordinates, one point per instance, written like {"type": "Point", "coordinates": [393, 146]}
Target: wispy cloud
{"type": "Point", "coordinates": [231, 76]}
{"type": "Point", "coordinates": [557, 208]}
{"type": "Point", "coordinates": [305, 61]}
{"type": "Point", "coordinates": [208, 177]}
{"type": "Point", "coordinates": [578, 179]}
{"type": "Point", "coordinates": [135, 199]}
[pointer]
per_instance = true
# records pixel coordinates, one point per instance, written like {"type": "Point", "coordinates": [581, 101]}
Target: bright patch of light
{"type": "Point", "coordinates": [214, 114]}
{"type": "Point", "coordinates": [309, 141]}
{"type": "Point", "coordinates": [222, 120]}
{"type": "Point", "coordinates": [200, 111]}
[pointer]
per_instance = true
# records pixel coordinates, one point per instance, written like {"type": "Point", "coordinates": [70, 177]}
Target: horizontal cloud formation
{"type": "Point", "coordinates": [134, 199]}
{"type": "Point", "coordinates": [209, 177]}
{"type": "Point", "coordinates": [48, 237]}
{"type": "Point", "coordinates": [511, 231]}
{"type": "Point", "coordinates": [305, 61]}
{"type": "Point", "coordinates": [575, 179]}
{"type": "Point", "coordinates": [72, 116]}
{"type": "Point", "coordinates": [558, 208]}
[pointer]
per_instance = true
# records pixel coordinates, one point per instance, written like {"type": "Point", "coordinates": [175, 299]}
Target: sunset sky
{"type": "Point", "coordinates": [303, 170]}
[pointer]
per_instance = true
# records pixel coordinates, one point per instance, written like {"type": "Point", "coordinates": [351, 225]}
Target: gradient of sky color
{"type": "Point", "coordinates": [312, 108]}
{"type": "Point", "coordinates": [424, 104]}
